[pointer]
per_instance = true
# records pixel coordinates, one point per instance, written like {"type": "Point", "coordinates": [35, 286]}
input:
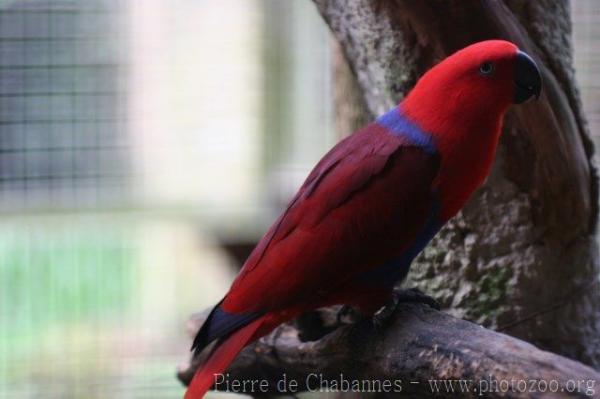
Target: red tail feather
{"type": "Point", "coordinates": [221, 357]}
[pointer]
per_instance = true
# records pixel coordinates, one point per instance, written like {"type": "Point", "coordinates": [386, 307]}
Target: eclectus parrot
{"type": "Point", "coordinates": [373, 202]}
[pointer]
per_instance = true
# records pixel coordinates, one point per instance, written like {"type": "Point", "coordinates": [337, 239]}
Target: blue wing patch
{"type": "Point", "coordinates": [220, 323]}
{"type": "Point", "coordinates": [396, 269]}
{"type": "Point", "coordinates": [398, 124]}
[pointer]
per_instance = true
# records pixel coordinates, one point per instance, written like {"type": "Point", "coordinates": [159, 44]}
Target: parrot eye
{"type": "Point", "coordinates": [486, 68]}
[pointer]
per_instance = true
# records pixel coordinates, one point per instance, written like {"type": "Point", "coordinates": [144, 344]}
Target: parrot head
{"type": "Point", "coordinates": [461, 102]}
{"type": "Point", "coordinates": [481, 80]}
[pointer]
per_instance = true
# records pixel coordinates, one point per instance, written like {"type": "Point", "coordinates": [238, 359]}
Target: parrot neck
{"type": "Point", "coordinates": [466, 143]}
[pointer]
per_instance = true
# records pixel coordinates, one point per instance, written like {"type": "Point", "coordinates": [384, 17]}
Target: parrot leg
{"type": "Point", "coordinates": [347, 314]}
{"type": "Point", "coordinates": [414, 295]}
{"type": "Point", "coordinates": [411, 295]}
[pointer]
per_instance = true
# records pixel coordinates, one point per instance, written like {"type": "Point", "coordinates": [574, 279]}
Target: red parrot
{"type": "Point", "coordinates": [373, 202]}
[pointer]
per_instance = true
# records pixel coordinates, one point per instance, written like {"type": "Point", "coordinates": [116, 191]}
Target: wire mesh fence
{"type": "Point", "coordinates": [63, 103]}
{"type": "Point", "coordinates": [117, 117]}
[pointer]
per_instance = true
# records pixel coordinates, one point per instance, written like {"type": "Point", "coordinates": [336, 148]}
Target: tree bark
{"type": "Point", "coordinates": [420, 353]}
{"type": "Point", "coordinates": [522, 255]}
{"type": "Point", "coordinates": [350, 109]}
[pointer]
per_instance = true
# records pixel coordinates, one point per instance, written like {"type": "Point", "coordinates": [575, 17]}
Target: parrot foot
{"type": "Point", "coordinates": [411, 295]}
{"type": "Point", "coordinates": [414, 295]}
{"type": "Point", "coordinates": [346, 315]}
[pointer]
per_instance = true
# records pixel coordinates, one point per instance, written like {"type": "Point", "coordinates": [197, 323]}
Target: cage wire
{"type": "Point", "coordinates": [63, 104]}
{"type": "Point", "coordinates": [63, 146]}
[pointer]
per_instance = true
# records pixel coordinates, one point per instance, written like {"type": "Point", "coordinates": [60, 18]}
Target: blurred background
{"type": "Point", "coordinates": [144, 147]}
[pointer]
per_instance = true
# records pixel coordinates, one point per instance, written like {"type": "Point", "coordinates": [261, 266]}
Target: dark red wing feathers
{"type": "Point", "coordinates": [365, 201]}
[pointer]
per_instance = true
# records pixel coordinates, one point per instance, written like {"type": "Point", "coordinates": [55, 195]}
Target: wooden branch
{"type": "Point", "coordinates": [417, 346]}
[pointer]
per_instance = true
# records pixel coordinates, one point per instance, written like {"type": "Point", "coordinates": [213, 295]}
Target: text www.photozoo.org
{"type": "Point", "coordinates": [319, 383]}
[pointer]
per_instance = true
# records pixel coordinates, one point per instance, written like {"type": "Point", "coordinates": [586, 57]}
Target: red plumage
{"type": "Point", "coordinates": [342, 222]}
{"type": "Point", "coordinates": [220, 359]}
{"type": "Point", "coordinates": [378, 195]}
{"type": "Point", "coordinates": [464, 110]}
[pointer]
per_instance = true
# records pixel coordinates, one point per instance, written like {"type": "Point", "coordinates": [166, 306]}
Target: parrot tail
{"type": "Point", "coordinates": [226, 350]}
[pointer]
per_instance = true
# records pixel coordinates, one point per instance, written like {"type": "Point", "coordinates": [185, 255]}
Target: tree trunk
{"type": "Point", "coordinates": [522, 256]}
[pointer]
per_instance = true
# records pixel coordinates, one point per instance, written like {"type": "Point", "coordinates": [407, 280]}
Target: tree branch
{"type": "Point", "coordinates": [418, 345]}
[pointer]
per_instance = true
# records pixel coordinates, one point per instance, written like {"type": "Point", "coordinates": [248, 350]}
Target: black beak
{"type": "Point", "coordinates": [528, 80]}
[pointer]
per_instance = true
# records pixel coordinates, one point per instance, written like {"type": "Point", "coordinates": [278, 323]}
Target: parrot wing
{"type": "Point", "coordinates": [368, 183]}
{"type": "Point", "coordinates": [334, 227]}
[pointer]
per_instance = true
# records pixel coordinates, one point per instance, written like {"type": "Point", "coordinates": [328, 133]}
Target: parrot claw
{"type": "Point", "coordinates": [347, 314]}
{"type": "Point", "coordinates": [412, 295]}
